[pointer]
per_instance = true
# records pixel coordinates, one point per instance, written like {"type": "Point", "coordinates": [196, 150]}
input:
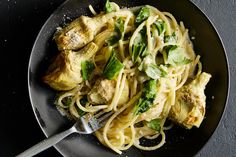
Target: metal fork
{"type": "Point", "coordinates": [84, 125]}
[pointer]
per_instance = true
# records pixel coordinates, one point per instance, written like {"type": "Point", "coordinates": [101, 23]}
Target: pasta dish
{"type": "Point", "coordinates": [138, 62]}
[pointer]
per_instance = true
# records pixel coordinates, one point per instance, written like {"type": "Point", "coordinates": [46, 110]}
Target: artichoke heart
{"type": "Point", "coordinates": [83, 30]}
{"type": "Point", "coordinates": [65, 72]}
{"type": "Point", "coordinates": [189, 109]}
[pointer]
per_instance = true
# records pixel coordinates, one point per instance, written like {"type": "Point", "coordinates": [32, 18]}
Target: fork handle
{"type": "Point", "coordinates": [46, 143]}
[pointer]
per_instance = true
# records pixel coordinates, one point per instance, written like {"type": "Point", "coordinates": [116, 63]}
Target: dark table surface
{"type": "Point", "coordinates": [20, 22]}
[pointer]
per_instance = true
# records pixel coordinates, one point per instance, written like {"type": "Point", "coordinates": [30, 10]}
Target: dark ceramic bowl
{"type": "Point", "coordinates": [179, 142]}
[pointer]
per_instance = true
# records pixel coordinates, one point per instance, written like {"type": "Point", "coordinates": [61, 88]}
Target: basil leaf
{"type": "Point", "coordinates": [86, 68]}
{"type": "Point", "coordinates": [147, 98]}
{"type": "Point", "coordinates": [176, 56]}
{"type": "Point", "coordinates": [149, 91]}
{"type": "Point", "coordinates": [170, 38]}
{"type": "Point", "coordinates": [155, 124]}
{"type": "Point", "coordinates": [112, 40]}
{"type": "Point", "coordinates": [139, 48]}
{"type": "Point", "coordinates": [112, 67]}
{"type": "Point", "coordinates": [119, 29]}
{"type": "Point", "coordinates": [142, 106]}
{"type": "Point", "coordinates": [160, 26]}
{"type": "Point", "coordinates": [155, 72]}
{"type": "Point", "coordinates": [143, 14]}
{"type": "Point", "coordinates": [108, 7]}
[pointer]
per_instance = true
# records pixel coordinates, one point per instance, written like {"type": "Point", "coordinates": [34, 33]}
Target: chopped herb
{"type": "Point", "coordinates": [160, 26]}
{"type": "Point", "coordinates": [149, 91]}
{"type": "Point", "coordinates": [119, 29]}
{"type": "Point", "coordinates": [170, 38]}
{"type": "Point", "coordinates": [112, 40]}
{"type": "Point", "coordinates": [152, 70]}
{"type": "Point", "coordinates": [155, 124]}
{"type": "Point", "coordinates": [139, 48]}
{"type": "Point", "coordinates": [147, 98]}
{"type": "Point", "coordinates": [86, 68]}
{"type": "Point", "coordinates": [113, 66]}
{"type": "Point", "coordinates": [143, 14]}
{"type": "Point", "coordinates": [155, 72]}
{"type": "Point", "coordinates": [142, 106]}
{"type": "Point", "coordinates": [176, 56]}
{"type": "Point", "coordinates": [108, 7]}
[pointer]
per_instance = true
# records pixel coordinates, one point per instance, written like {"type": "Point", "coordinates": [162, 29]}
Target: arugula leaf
{"type": "Point", "coordinates": [147, 98]}
{"type": "Point", "coordinates": [170, 38]}
{"type": "Point", "coordinates": [86, 68]}
{"type": "Point", "coordinates": [160, 26]}
{"type": "Point", "coordinates": [155, 72]}
{"type": "Point", "coordinates": [155, 124]}
{"type": "Point", "coordinates": [113, 66]}
{"type": "Point", "coordinates": [108, 8]}
{"type": "Point", "coordinates": [119, 29]}
{"type": "Point", "coordinates": [176, 56]}
{"type": "Point", "coordinates": [143, 14]}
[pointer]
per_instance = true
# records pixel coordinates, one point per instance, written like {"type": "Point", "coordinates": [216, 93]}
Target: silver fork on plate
{"type": "Point", "coordinates": [84, 125]}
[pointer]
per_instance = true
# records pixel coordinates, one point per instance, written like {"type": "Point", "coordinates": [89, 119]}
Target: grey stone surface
{"type": "Point", "coordinates": [222, 13]}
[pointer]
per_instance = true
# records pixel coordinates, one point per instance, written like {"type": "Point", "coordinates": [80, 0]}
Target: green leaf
{"type": "Point", "coordinates": [160, 26]}
{"type": "Point", "coordinates": [176, 56]}
{"type": "Point", "coordinates": [112, 40]}
{"type": "Point", "coordinates": [143, 14]}
{"type": "Point", "coordinates": [139, 48]}
{"type": "Point", "coordinates": [155, 124]}
{"type": "Point", "coordinates": [108, 7]}
{"type": "Point", "coordinates": [170, 38]}
{"type": "Point", "coordinates": [155, 72]}
{"type": "Point", "coordinates": [147, 97]}
{"type": "Point", "coordinates": [150, 89]}
{"type": "Point", "coordinates": [142, 106]}
{"type": "Point", "coordinates": [113, 66]}
{"type": "Point", "coordinates": [86, 68]}
{"type": "Point", "coordinates": [119, 29]}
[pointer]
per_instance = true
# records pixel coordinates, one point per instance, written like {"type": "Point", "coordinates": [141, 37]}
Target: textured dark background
{"type": "Point", "coordinates": [20, 22]}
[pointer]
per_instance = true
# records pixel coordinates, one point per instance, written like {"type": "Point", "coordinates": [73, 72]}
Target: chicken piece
{"type": "Point", "coordinates": [83, 30]}
{"type": "Point", "coordinates": [189, 109]}
{"type": "Point", "coordinates": [102, 91]}
{"type": "Point", "coordinates": [65, 72]}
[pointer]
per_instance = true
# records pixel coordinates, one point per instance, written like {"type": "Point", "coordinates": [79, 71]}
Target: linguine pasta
{"type": "Point", "coordinates": [143, 58]}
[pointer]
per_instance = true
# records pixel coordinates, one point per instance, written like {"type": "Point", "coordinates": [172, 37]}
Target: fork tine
{"type": "Point", "coordinates": [105, 116]}
{"type": "Point", "coordinates": [98, 120]}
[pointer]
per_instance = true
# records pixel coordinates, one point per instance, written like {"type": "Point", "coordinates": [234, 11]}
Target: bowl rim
{"type": "Point", "coordinates": [187, 1]}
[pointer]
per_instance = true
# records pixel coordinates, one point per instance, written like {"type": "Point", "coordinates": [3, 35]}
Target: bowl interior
{"type": "Point", "coordinates": [179, 142]}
